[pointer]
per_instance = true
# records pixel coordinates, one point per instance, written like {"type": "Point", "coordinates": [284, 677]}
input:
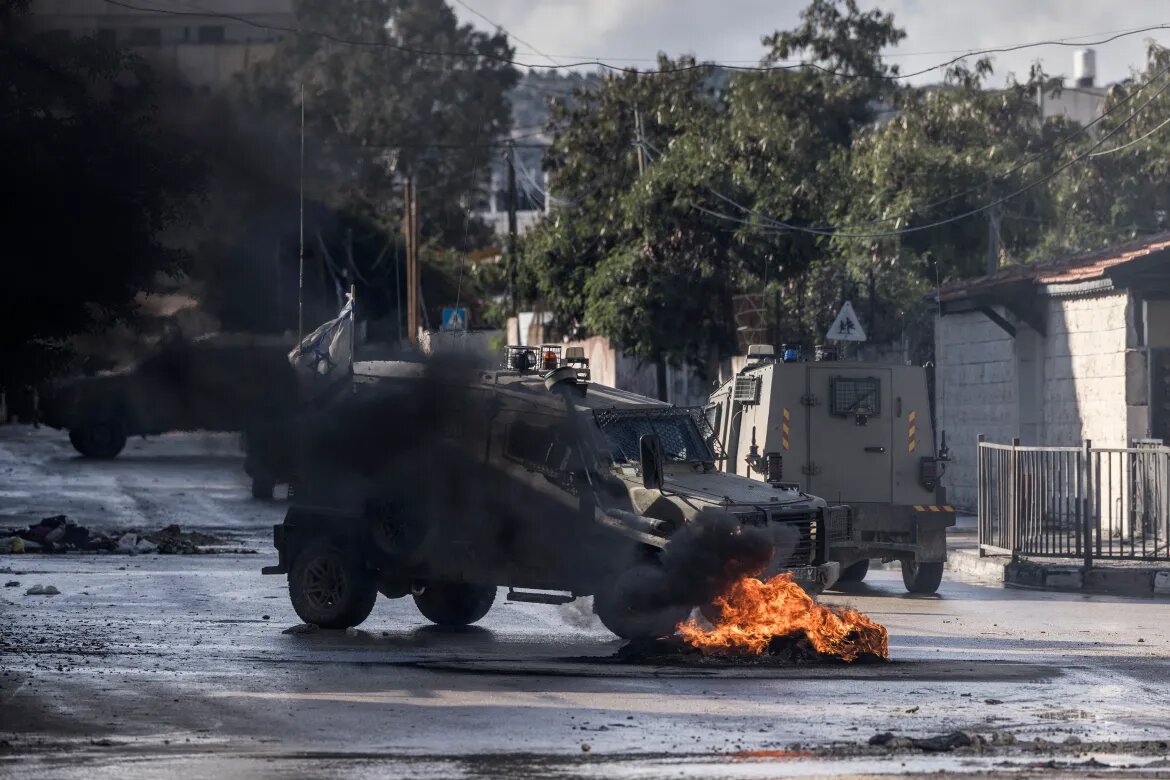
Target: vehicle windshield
{"type": "Point", "coordinates": [681, 440]}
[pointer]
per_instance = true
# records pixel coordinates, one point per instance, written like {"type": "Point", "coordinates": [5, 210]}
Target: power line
{"type": "Point", "coordinates": [1131, 143]}
{"type": "Point", "coordinates": [473, 55]}
{"type": "Point", "coordinates": [846, 232]}
{"type": "Point", "coordinates": [1057, 145]}
{"type": "Point", "coordinates": [509, 33]}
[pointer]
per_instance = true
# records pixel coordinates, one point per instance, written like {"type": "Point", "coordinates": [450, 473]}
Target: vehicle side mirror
{"type": "Point", "coordinates": [650, 447]}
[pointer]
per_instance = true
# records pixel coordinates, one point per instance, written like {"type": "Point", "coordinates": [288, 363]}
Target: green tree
{"type": "Point", "coordinates": [617, 260]}
{"type": "Point", "coordinates": [94, 184]}
{"type": "Point", "coordinates": [653, 260]}
{"type": "Point", "coordinates": [389, 107]}
{"type": "Point", "coordinates": [1122, 191]}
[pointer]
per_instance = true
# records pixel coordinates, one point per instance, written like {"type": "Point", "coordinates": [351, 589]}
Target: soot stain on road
{"type": "Point", "coordinates": [616, 667]}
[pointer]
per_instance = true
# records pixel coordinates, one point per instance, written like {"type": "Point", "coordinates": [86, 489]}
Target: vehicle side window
{"type": "Point", "coordinates": [714, 413]}
{"type": "Point", "coordinates": [541, 446]}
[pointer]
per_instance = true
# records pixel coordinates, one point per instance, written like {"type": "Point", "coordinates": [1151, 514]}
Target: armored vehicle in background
{"type": "Point", "coordinates": [856, 433]}
{"type": "Point", "coordinates": [220, 382]}
{"type": "Point", "coordinates": [445, 486]}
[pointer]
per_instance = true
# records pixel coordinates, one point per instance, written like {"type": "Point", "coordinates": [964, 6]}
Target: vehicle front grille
{"type": "Point", "coordinates": [806, 526]}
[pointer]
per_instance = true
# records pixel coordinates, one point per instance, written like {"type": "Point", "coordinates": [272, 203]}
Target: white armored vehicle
{"type": "Point", "coordinates": [856, 433]}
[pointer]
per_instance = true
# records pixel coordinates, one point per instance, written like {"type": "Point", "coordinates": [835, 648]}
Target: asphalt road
{"type": "Point", "coordinates": [156, 665]}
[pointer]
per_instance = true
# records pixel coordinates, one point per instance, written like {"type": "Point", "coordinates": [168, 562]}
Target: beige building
{"type": "Point", "coordinates": [194, 39]}
{"type": "Point", "coordinates": [1055, 353]}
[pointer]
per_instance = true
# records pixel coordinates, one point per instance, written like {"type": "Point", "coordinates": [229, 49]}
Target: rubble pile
{"type": "Point", "coordinates": [59, 534]}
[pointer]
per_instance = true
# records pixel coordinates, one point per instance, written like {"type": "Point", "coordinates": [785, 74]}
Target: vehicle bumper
{"type": "Point", "coordinates": [895, 531]}
{"type": "Point", "coordinates": [816, 577]}
{"type": "Point", "coordinates": [281, 566]}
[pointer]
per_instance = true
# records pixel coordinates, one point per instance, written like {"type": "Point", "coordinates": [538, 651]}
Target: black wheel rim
{"type": "Point", "coordinates": [324, 583]}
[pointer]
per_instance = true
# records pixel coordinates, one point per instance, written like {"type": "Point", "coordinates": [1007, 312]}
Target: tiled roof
{"type": "Point", "coordinates": [1075, 268]}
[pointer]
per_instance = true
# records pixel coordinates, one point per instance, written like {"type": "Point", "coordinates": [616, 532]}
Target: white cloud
{"type": "Point", "coordinates": [634, 31]}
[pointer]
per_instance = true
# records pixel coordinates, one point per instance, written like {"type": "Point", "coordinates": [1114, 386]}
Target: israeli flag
{"type": "Point", "coordinates": [327, 353]}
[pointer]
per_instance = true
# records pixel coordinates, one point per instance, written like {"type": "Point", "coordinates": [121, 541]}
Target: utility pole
{"type": "Point", "coordinates": [993, 216]}
{"type": "Point", "coordinates": [513, 293]}
{"type": "Point", "coordinates": [301, 251]}
{"type": "Point", "coordinates": [641, 142]}
{"type": "Point", "coordinates": [661, 379]}
{"type": "Point", "coordinates": [410, 229]}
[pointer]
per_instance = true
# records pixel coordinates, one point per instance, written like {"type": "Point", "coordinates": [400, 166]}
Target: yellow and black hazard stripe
{"type": "Point", "coordinates": [912, 433]}
{"type": "Point", "coordinates": [784, 429]}
{"type": "Point", "coordinates": [933, 508]}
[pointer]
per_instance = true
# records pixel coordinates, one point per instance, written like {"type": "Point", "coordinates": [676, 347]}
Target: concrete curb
{"type": "Point", "coordinates": [990, 569]}
{"type": "Point", "coordinates": [1115, 580]}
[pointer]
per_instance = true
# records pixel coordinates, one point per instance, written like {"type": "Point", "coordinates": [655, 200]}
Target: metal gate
{"type": "Point", "coordinates": [1075, 502]}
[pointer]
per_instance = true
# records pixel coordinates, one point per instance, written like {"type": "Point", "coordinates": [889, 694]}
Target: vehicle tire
{"type": "Point", "coordinates": [101, 440]}
{"type": "Point", "coordinates": [454, 603]}
{"type": "Point", "coordinates": [618, 605]}
{"type": "Point", "coordinates": [331, 587]}
{"type": "Point", "coordinates": [854, 572]}
{"type": "Point", "coordinates": [262, 488]}
{"type": "Point", "coordinates": [922, 577]}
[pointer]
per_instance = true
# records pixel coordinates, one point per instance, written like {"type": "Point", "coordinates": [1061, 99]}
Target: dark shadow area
{"type": "Point", "coordinates": [183, 461]}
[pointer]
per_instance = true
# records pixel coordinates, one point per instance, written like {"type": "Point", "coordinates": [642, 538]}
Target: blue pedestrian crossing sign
{"type": "Point", "coordinates": [455, 318]}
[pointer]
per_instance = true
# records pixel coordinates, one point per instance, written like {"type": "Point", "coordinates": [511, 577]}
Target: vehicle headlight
{"type": "Point", "coordinates": [757, 518]}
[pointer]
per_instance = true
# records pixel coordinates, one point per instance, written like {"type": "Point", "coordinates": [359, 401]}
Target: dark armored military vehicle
{"type": "Point", "coordinates": [222, 382]}
{"type": "Point", "coordinates": [528, 477]}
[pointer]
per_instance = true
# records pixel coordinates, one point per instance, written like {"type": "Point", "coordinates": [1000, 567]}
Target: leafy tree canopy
{"type": "Point", "coordinates": [95, 182]}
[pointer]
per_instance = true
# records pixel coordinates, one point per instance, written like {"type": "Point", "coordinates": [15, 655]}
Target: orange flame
{"type": "Point", "coordinates": [755, 612]}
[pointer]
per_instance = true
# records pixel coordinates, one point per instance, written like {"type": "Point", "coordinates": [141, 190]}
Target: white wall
{"type": "Point", "coordinates": [976, 388]}
{"type": "Point", "coordinates": [1084, 371]}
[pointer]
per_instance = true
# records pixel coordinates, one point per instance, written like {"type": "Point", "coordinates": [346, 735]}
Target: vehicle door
{"type": "Point", "coordinates": [538, 454]}
{"type": "Point", "coordinates": [850, 435]}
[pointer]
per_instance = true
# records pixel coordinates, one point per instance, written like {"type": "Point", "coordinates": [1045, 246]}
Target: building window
{"type": "Point", "coordinates": [211, 34]}
{"type": "Point", "coordinates": [145, 36]}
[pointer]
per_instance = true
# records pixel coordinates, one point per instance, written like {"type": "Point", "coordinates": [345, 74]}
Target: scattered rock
{"type": "Point", "coordinates": [303, 628]}
{"type": "Point", "coordinates": [265, 617]}
{"type": "Point", "coordinates": [42, 590]}
{"type": "Point", "coordinates": [912, 710]}
{"type": "Point", "coordinates": [351, 631]}
{"type": "Point", "coordinates": [586, 747]}
{"type": "Point", "coordinates": [942, 743]}
{"type": "Point", "coordinates": [993, 701]}
{"type": "Point", "coordinates": [1140, 639]}
{"type": "Point", "coordinates": [12, 584]}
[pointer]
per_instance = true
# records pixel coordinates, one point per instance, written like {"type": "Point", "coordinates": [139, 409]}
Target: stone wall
{"type": "Point", "coordinates": [1084, 371]}
{"type": "Point", "coordinates": [976, 386]}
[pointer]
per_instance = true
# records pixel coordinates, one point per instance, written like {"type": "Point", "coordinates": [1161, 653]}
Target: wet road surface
{"type": "Point", "coordinates": [164, 665]}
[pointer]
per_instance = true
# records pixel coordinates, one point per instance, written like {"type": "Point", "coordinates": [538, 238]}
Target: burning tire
{"type": "Point", "coordinates": [454, 603]}
{"type": "Point", "coordinates": [330, 587]}
{"type": "Point", "coordinates": [855, 572]}
{"type": "Point", "coordinates": [633, 607]}
{"type": "Point", "coordinates": [102, 439]}
{"type": "Point", "coordinates": [921, 577]}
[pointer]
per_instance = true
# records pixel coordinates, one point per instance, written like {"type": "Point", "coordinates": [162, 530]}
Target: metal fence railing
{"type": "Point", "coordinates": [1075, 502]}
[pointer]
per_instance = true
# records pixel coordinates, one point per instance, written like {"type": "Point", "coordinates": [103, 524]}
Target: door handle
{"type": "Point", "coordinates": [878, 450]}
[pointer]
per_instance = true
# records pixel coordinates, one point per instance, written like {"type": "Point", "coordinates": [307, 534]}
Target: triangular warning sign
{"type": "Point", "coordinates": [846, 327]}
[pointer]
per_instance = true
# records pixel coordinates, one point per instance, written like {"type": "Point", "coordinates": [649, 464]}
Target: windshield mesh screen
{"type": "Point", "coordinates": [677, 429]}
{"type": "Point", "coordinates": [855, 395]}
